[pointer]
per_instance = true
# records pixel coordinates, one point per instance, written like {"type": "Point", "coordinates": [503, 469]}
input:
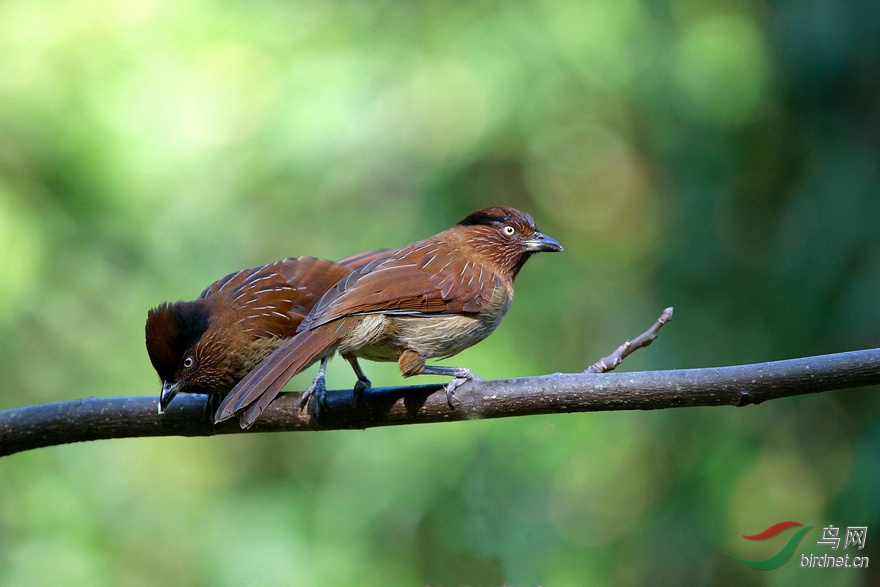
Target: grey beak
{"type": "Point", "coordinates": [541, 242]}
{"type": "Point", "coordinates": [169, 390]}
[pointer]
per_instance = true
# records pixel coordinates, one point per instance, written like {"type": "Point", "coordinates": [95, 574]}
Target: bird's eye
{"type": "Point", "coordinates": [188, 362]}
{"type": "Point", "coordinates": [508, 230]}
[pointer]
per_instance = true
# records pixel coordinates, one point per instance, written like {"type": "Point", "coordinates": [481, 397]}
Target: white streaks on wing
{"type": "Point", "coordinates": [228, 281]}
{"type": "Point", "coordinates": [278, 287]}
{"type": "Point", "coordinates": [376, 272]}
{"type": "Point", "coordinates": [392, 267]}
{"type": "Point", "coordinates": [255, 296]}
{"type": "Point", "coordinates": [241, 295]}
{"type": "Point", "coordinates": [432, 255]}
{"type": "Point", "coordinates": [264, 278]}
{"type": "Point", "coordinates": [402, 313]}
{"type": "Point", "coordinates": [421, 247]}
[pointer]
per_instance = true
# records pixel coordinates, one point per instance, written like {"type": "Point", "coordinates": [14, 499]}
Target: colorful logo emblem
{"type": "Point", "coordinates": [781, 557]}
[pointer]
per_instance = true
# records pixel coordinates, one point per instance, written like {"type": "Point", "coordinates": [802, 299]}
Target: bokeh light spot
{"type": "Point", "coordinates": [721, 66]}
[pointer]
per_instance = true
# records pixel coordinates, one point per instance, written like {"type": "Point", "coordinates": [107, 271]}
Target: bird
{"type": "Point", "coordinates": [428, 300]}
{"type": "Point", "coordinates": [207, 345]}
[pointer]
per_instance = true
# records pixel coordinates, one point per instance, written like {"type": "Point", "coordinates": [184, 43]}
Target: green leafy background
{"type": "Point", "coordinates": [719, 156]}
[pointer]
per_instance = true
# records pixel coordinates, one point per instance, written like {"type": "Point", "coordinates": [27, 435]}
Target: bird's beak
{"type": "Point", "coordinates": [541, 242]}
{"type": "Point", "coordinates": [169, 390]}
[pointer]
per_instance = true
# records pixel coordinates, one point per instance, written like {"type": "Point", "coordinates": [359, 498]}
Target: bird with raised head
{"type": "Point", "coordinates": [207, 345]}
{"type": "Point", "coordinates": [431, 299]}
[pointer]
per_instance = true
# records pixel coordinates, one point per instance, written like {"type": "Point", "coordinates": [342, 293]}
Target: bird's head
{"type": "Point", "coordinates": [505, 238]}
{"type": "Point", "coordinates": [179, 348]}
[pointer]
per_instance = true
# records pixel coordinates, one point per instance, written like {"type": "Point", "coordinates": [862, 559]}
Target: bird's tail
{"type": "Point", "coordinates": [259, 387]}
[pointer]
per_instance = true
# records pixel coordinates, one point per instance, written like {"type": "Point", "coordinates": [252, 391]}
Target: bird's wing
{"type": "Point", "coordinates": [277, 296]}
{"type": "Point", "coordinates": [360, 260]}
{"type": "Point", "coordinates": [423, 278]}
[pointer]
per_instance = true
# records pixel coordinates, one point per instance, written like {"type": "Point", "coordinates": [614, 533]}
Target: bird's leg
{"type": "Point", "coordinates": [363, 383]}
{"type": "Point", "coordinates": [318, 388]}
{"type": "Point", "coordinates": [461, 375]}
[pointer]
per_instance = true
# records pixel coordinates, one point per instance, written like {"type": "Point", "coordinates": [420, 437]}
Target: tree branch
{"type": "Point", "coordinates": [189, 415]}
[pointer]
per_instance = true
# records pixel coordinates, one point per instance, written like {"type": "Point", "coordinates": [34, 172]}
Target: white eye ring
{"type": "Point", "coordinates": [508, 230]}
{"type": "Point", "coordinates": [188, 362]}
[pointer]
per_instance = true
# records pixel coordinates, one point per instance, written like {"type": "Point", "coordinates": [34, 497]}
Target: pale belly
{"type": "Point", "coordinates": [381, 337]}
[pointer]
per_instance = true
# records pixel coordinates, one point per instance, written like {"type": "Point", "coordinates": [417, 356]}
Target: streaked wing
{"type": "Point", "coordinates": [355, 262]}
{"type": "Point", "coordinates": [422, 278]}
{"type": "Point", "coordinates": [278, 296]}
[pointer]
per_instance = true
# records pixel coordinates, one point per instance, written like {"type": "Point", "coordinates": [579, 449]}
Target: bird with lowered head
{"type": "Point", "coordinates": [207, 345]}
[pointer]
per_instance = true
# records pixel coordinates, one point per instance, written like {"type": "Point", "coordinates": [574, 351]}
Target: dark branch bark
{"type": "Point", "coordinates": [98, 418]}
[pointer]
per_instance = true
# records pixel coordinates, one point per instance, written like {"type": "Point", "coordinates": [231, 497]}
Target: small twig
{"type": "Point", "coordinates": [623, 351]}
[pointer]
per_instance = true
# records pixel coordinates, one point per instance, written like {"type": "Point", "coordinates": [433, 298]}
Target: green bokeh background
{"type": "Point", "coordinates": [722, 157]}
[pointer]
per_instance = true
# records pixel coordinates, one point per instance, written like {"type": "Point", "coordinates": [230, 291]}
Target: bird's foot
{"type": "Point", "coordinates": [461, 375]}
{"type": "Point", "coordinates": [460, 379]}
{"type": "Point", "coordinates": [360, 388]}
{"type": "Point", "coordinates": [318, 390]}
